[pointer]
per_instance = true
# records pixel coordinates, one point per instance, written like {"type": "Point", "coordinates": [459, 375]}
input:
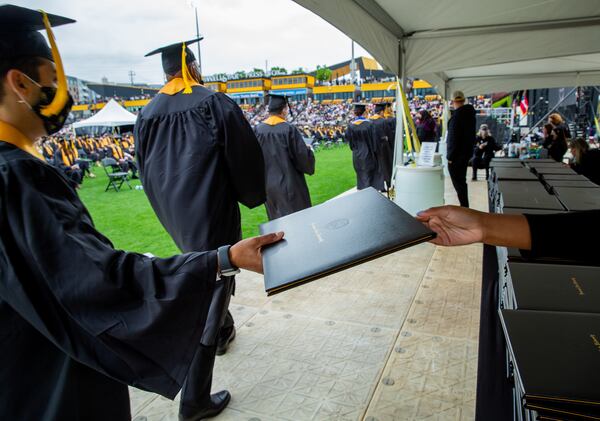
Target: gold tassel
{"type": "Point", "coordinates": [185, 74]}
{"type": "Point", "coordinates": [62, 92]}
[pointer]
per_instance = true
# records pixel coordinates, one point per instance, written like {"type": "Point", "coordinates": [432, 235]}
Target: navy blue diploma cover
{"type": "Point", "coordinates": [337, 235]}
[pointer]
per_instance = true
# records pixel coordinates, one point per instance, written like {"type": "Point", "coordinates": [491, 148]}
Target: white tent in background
{"type": "Point", "coordinates": [111, 115]}
{"type": "Point", "coordinates": [477, 46]}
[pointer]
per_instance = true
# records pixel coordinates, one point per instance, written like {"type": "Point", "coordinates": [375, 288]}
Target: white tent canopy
{"type": "Point", "coordinates": [477, 46]}
{"type": "Point", "coordinates": [111, 115]}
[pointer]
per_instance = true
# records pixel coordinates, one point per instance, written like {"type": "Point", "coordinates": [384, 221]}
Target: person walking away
{"type": "Point", "coordinates": [460, 141]}
{"type": "Point", "coordinates": [384, 149]}
{"type": "Point", "coordinates": [198, 157]}
{"type": "Point", "coordinates": [287, 158]}
{"type": "Point", "coordinates": [361, 137]}
{"type": "Point", "coordinates": [390, 120]}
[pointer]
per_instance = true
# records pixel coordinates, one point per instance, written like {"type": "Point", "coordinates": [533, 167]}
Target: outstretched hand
{"type": "Point", "coordinates": [246, 254]}
{"type": "Point", "coordinates": [454, 225]}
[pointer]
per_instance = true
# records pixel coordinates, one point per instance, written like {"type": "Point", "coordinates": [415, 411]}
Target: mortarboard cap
{"type": "Point", "coordinates": [19, 36]}
{"type": "Point", "coordinates": [276, 102]}
{"type": "Point", "coordinates": [381, 106]}
{"type": "Point", "coordinates": [171, 55]}
{"type": "Point", "coordinates": [360, 106]}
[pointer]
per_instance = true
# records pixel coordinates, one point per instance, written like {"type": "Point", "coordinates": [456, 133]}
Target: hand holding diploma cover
{"type": "Point", "coordinates": [336, 235]}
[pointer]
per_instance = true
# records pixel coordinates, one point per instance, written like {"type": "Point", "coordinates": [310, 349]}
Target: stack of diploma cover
{"type": "Point", "coordinates": [337, 235]}
{"type": "Point", "coordinates": [556, 359]}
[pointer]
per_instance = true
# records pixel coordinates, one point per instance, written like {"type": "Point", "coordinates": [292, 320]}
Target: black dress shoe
{"type": "Point", "coordinates": [218, 402]}
{"type": "Point", "coordinates": [223, 344]}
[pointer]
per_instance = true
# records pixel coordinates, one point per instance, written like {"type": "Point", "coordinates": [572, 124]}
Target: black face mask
{"type": "Point", "coordinates": [52, 123]}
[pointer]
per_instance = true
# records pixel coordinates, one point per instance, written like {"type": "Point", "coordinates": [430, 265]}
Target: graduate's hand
{"type": "Point", "coordinates": [246, 254]}
{"type": "Point", "coordinates": [454, 225]}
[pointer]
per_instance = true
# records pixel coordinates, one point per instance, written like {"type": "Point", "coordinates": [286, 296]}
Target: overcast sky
{"type": "Point", "coordinates": [111, 37]}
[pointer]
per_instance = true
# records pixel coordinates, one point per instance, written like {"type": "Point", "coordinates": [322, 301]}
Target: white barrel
{"type": "Point", "coordinates": [419, 188]}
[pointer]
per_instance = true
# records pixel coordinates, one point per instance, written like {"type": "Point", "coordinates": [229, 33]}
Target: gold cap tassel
{"type": "Point", "coordinates": [185, 73]}
{"type": "Point", "coordinates": [62, 92]}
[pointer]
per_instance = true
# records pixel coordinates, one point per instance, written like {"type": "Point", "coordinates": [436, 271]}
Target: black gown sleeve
{"type": "Point", "coordinates": [348, 137]}
{"type": "Point", "coordinates": [136, 319]}
{"type": "Point", "coordinates": [564, 236]}
{"type": "Point", "coordinates": [243, 153]}
{"type": "Point", "coordinates": [375, 138]}
{"type": "Point", "coordinates": [302, 157]}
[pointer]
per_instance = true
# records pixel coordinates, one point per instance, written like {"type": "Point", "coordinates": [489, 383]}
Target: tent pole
{"type": "Point", "coordinates": [445, 111]}
{"type": "Point", "coordinates": [399, 135]}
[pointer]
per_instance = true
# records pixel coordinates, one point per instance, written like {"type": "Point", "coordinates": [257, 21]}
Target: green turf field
{"type": "Point", "coordinates": [128, 220]}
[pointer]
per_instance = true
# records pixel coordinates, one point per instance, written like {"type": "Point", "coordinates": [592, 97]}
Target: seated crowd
{"type": "Point", "coordinates": [76, 156]}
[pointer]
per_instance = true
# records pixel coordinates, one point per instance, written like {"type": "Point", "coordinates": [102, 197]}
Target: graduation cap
{"type": "Point", "coordinates": [381, 106]}
{"type": "Point", "coordinates": [19, 37]}
{"type": "Point", "coordinates": [360, 106]}
{"type": "Point", "coordinates": [277, 102]}
{"type": "Point", "coordinates": [174, 56]}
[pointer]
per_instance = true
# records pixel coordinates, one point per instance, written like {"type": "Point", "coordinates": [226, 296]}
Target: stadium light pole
{"type": "Point", "coordinates": [194, 4]}
{"type": "Point", "coordinates": [198, 36]}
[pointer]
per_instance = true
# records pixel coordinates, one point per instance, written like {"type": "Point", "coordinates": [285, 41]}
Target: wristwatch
{"type": "Point", "coordinates": [226, 268]}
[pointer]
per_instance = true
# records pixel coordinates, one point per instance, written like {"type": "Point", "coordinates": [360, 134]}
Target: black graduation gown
{"type": "Point", "coordinates": [287, 159]}
{"type": "Point", "coordinates": [74, 176]}
{"type": "Point", "coordinates": [384, 150]}
{"type": "Point", "coordinates": [391, 134]}
{"type": "Point", "coordinates": [362, 139]}
{"type": "Point", "coordinates": [78, 319]}
{"type": "Point", "coordinates": [198, 157]}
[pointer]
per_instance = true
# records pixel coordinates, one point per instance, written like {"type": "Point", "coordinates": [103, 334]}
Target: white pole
{"type": "Point", "coordinates": [198, 36]}
{"type": "Point", "coordinates": [399, 136]}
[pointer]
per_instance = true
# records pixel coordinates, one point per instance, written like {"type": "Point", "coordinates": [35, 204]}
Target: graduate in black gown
{"type": "Point", "coordinates": [390, 119]}
{"type": "Point", "coordinates": [79, 320]}
{"type": "Point", "coordinates": [66, 160]}
{"type": "Point", "coordinates": [287, 159]}
{"type": "Point", "coordinates": [362, 138]}
{"type": "Point", "coordinates": [198, 157]}
{"type": "Point", "coordinates": [385, 148]}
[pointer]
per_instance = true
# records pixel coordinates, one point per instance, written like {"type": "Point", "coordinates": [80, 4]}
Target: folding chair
{"type": "Point", "coordinates": [116, 177]}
